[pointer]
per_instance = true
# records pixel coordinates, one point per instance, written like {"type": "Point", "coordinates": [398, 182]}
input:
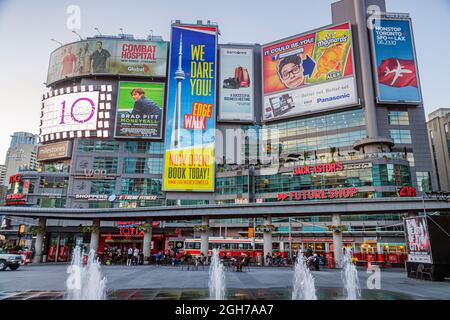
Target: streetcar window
{"type": "Point", "coordinates": [259, 246]}
{"type": "Point", "coordinates": [197, 245]}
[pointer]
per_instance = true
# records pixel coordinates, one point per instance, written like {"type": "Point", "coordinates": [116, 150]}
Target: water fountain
{"type": "Point", "coordinates": [350, 277]}
{"type": "Point", "coordinates": [85, 282]}
{"type": "Point", "coordinates": [303, 283]}
{"type": "Point", "coordinates": [216, 282]}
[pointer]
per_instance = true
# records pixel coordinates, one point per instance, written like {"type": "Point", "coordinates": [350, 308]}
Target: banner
{"type": "Point", "coordinates": [190, 124]}
{"type": "Point", "coordinates": [108, 56]}
{"type": "Point", "coordinates": [309, 73]}
{"type": "Point", "coordinates": [139, 110]}
{"type": "Point", "coordinates": [236, 84]}
{"type": "Point", "coordinates": [394, 61]}
{"type": "Point", "coordinates": [418, 240]}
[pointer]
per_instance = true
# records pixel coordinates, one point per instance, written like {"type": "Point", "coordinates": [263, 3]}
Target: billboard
{"type": "Point", "coordinates": [418, 240]}
{"type": "Point", "coordinates": [394, 61]}
{"type": "Point", "coordinates": [53, 151]}
{"type": "Point", "coordinates": [191, 109]}
{"type": "Point", "coordinates": [236, 84]}
{"type": "Point", "coordinates": [80, 111]}
{"type": "Point", "coordinates": [108, 56]}
{"type": "Point", "coordinates": [309, 73]}
{"type": "Point", "coordinates": [140, 109]}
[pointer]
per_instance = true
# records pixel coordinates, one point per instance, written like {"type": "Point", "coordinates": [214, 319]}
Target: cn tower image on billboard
{"type": "Point", "coordinates": [179, 77]}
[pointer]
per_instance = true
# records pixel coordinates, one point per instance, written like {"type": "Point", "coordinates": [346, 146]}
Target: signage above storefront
{"type": "Point", "coordinates": [320, 168]}
{"type": "Point", "coordinates": [322, 194]}
{"type": "Point", "coordinates": [59, 150]}
{"type": "Point", "coordinates": [407, 192]}
{"type": "Point", "coordinates": [136, 197]}
{"type": "Point", "coordinates": [15, 178]}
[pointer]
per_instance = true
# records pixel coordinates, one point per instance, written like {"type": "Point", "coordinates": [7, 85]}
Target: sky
{"type": "Point", "coordinates": [27, 26]}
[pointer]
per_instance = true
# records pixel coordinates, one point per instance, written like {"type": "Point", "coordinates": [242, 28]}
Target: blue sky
{"type": "Point", "coordinates": [27, 26]}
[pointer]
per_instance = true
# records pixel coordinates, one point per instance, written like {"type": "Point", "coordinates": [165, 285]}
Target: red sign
{"type": "Point", "coordinates": [16, 178]}
{"type": "Point", "coordinates": [320, 168]}
{"type": "Point", "coordinates": [407, 192]}
{"type": "Point", "coordinates": [318, 194]}
{"type": "Point", "coordinates": [15, 196]}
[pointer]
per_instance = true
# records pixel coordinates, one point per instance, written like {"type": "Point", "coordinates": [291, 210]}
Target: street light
{"type": "Point", "coordinates": [58, 42]}
{"type": "Point", "coordinates": [73, 31]}
{"type": "Point", "coordinates": [151, 35]}
{"type": "Point", "coordinates": [96, 29]}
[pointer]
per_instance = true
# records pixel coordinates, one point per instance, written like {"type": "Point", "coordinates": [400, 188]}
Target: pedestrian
{"type": "Point", "coordinates": [135, 256]}
{"type": "Point", "coordinates": [129, 256]}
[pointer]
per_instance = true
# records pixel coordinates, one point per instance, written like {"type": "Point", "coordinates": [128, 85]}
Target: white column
{"type": "Point", "coordinates": [267, 236]}
{"type": "Point", "coordinates": [337, 240]}
{"type": "Point", "coordinates": [39, 241]}
{"type": "Point", "coordinates": [95, 235]}
{"type": "Point", "coordinates": [204, 237]}
{"type": "Point", "coordinates": [147, 245]}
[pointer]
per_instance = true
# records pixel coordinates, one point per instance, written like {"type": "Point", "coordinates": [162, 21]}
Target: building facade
{"type": "Point", "coordinates": [438, 135]}
{"type": "Point", "coordinates": [364, 149]}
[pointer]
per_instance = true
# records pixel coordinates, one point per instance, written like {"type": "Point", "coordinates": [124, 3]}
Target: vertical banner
{"type": "Point", "coordinates": [236, 84]}
{"type": "Point", "coordinates": [394, 61]}
{"type": "Point", "coordinates": [190, 124]}
{"type": "Point", "coordinates": [418, 240]}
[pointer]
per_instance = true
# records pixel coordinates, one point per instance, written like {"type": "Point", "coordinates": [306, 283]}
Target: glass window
{"type": "Point", "coordinates": [424, 181]}
{"type": "Point", "coordinates": [86, 145]}
{"type": "Point", "coordinates": [103, 186]}
{"type": "Point", "coordinates": [143, 165]}
{"type": "Point", "coordinates": [105, 163]}
{"type": "Point", "coordinates": [398, 117]}
{"type": "Point", "coordinates": [144, 147]}
{"type": "Point", "coordinates": [138, 186]}
{"type": "Point", "coordinates": [401, 136]}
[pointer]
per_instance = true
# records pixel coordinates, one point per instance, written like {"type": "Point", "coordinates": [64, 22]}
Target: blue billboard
{"type": "Point", "coordinates": [191, 109]}
{"type": "Point", "coordinates": [394, 61]}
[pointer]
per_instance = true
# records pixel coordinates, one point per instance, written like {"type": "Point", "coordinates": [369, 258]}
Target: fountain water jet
{"type": "Point", "coordinates": [303, 283]}
{"type": "Point", "coordinates": [216, 282]}
{"type": "Point", "coordinates": [85, 282]}
{"type": "Point", "coordinates": [349, 276]}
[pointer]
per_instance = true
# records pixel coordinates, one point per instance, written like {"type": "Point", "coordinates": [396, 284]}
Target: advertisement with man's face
{"type": "Point", "coordinates": [139, 110]}
{"type": "Point", "coordinates": [236, 84]}
{"type": "Point", "coordinates": [190, 124]}
{"type": "Point", "coordinates": [309, 73]}
{"type": "Point", "coordinates": [418, 240]}
{"type": "Point", "coordinates": [108, 56]}
{"type": "Point", "coordinates": [394, 60]}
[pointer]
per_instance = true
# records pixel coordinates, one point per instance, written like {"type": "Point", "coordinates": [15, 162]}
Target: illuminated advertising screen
{"type": "Point", "coordinates": [309, 73]}
{"type": "Point", "coordinates": [394, 61]}
{"type": "Point", "coordinates": [72, 112]}
{"type": "Point", "coordinates": [236, 84]}
{"type": "Point", "coordinates": [191, 109]}
{"type": "Point", "coordinates": [418, 240]}
{"type": "Point", "coordinates": [139, 110]}
{"type": "Point", "coordinates": [108, 56]}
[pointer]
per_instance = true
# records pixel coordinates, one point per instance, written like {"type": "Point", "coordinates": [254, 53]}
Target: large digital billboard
{"type": "Point", "coordinates": [191, 109]}
{"type": "Point", "coordinates": [80, 111]}
{"type": "Point", "coordinates": [236, 84]}
{"type": "Point", "coordinates": [139, 110]}
{"type": "Point", "coordinates": [309, 73]}
{"type": "Point", "coordinates": [108, 56]}
{"type": "Point", "coordinates": [394, 61]}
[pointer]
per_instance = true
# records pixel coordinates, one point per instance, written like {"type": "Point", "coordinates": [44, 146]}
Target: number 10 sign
{"type": "Point", "coordinates": [70, 112]}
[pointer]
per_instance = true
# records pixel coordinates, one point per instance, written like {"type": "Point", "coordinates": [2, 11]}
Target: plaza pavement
{"type": "Point", "coordinates": [47, 277]}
